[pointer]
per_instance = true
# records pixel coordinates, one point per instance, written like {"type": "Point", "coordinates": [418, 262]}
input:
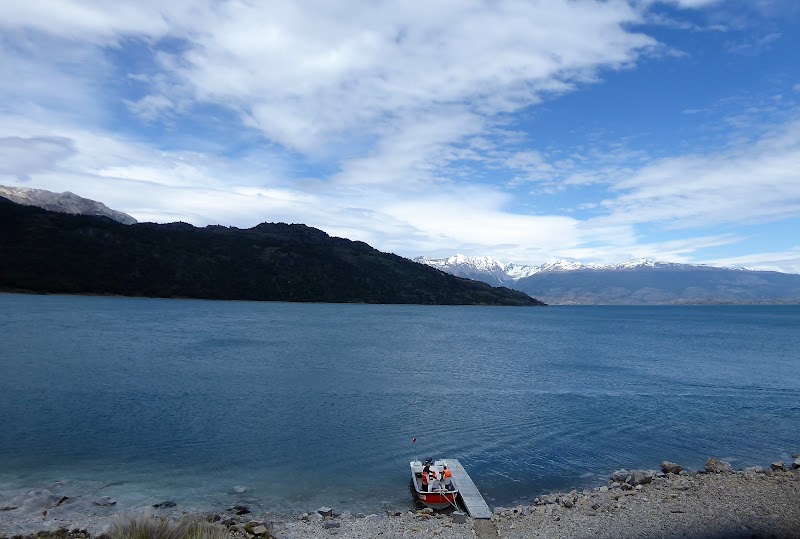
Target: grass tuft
{"type": "Point", "coordinates": [161, 528]}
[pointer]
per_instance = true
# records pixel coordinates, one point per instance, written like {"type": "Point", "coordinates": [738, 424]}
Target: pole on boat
{"type": "Point", "coordinates": [414, 441]}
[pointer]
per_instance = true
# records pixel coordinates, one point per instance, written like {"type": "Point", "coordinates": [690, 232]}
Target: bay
{"type": "Point", "coordinates": [316, 404]}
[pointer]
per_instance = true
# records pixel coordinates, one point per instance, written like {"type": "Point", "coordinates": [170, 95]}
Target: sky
{"type": "Point", "coordinates": [528, 131]}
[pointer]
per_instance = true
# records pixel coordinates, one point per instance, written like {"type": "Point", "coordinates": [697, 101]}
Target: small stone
{"type": "Point", "coordinates": [329, 524]}
{"type": "Point", "coordinates": [105, 501]}
{"type": "Point", "coordinates": [315, 517]}
{"type": "Point", "coordinates": [260, 530]}
{"type": "Point", "coordinates": [796, 463]}
{"type": "Point", "coordinates": [166, 504]}
{"type": "Point", "coordinates": [239, 489]}
{"type": "Point", "coordinates": [604, 489]}
{"type": "Point", "coordinates": [325, 511]}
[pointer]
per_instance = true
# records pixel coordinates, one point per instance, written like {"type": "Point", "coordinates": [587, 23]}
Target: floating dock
{"type": "Point", "coordinates": [470, 495]}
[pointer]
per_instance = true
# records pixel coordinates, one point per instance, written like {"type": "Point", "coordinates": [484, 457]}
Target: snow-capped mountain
{"type": "Point", "coordinates": [480, 268]}
{"type": "Point", "coordinates": [639, 281]}
{"type": "Point", "coordinates": [487, 269]}
{"type": "Point", "coordinates": [63, 203]}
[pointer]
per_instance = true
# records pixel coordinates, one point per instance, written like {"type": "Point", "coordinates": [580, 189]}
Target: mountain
{"type": "Point", "coordinates": [48, 252]}
{"type": "Point", "coordinates": [479, 268]}
{"type": "Point", "coordinates": [62, 202]}
{"type": "Point", "coordinates": [636, 282]}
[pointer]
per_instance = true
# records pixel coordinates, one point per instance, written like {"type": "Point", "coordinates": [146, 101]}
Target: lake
{"type": "Point", "coordinates": [306, 405]}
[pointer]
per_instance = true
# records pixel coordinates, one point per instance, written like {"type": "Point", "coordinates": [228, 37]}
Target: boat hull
{"type": "Point", "coordinates": [436, 500]}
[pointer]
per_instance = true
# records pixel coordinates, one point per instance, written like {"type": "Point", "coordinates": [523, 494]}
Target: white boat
{"type": "Point", "coordinates": [440, 492]}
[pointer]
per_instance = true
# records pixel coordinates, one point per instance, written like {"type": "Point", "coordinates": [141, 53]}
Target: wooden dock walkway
{"type": "Point", "coordinates": [470, 495]}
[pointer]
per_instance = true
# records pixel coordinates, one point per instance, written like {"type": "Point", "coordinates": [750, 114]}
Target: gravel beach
{"type": "Point", "coordinates": [752, 503]}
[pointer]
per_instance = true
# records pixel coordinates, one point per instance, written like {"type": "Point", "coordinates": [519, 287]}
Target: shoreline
{"type": "Point", "coordinates": [716, 502]}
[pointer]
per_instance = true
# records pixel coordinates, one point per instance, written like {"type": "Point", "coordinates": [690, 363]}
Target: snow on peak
{"type": "Point", "coordinates": [515, 272]}
{"type": "Point", "coordinates": [479, 263]}
{"type": "Point", "coordinates": [561, 265]}
{"type": "Point", "coordinates": [637, 263]}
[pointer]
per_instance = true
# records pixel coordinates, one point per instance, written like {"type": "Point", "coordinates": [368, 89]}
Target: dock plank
{"type": "Point", "coordinates": [470, 495]}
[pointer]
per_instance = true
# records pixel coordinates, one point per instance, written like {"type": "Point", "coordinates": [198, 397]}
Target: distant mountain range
{"type": "Point", "coordinates": [638, 282]}
{"type": "Point", "coordinates": [48, 252]}
{"type": "Point", "coordinates": [63, 203]}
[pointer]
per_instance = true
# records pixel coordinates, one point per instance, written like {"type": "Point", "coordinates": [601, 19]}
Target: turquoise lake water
{"type": "Point", "coordinates": [312, 404]}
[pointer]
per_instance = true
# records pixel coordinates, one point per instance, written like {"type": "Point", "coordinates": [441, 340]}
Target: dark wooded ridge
{"type": "Point", "coordinates": [48, 252]}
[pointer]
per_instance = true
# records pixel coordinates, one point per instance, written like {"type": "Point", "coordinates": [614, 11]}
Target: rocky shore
{"type": "Point", "coordinates": [716, 502]}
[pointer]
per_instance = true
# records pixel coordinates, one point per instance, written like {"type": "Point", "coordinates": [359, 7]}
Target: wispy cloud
{"type": "Point", "coordinates": [751, 183]}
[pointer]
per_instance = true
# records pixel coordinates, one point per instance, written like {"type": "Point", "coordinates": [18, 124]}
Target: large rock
{"type": "Point", "coordinates": [796, 463]}
{"type": "Point", "coordinates": [779, 466]}
{"type": "Point", "coordinates": [671, 467]}
{"type": "Point", "coordinates": [633, 477]}
{"type": "Point", "coordinates": [717, 466]}
{"type": "Point", "coordinates": [641, 477]}
{"type": "Point", "coordinates": [620, 476]}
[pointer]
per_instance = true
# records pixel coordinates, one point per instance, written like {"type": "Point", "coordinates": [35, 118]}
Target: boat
{"type": "Point", "coordinates": [441, 494]}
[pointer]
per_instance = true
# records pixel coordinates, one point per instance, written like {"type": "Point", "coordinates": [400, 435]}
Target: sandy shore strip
{"type": "Point", "coordinates": [720, 503]}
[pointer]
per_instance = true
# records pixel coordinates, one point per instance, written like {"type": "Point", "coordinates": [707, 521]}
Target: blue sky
{"type": "Point", "coordinates": [529, 131]}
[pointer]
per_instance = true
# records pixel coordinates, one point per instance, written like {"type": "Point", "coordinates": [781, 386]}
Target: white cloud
{"type": "Point", "coordinates": [694, 4]}
{"type": "Point", "coordinates": [747, 183]}
{"type": "Point", "coordinates": [391, 97]}
{"type": "Point", "coordinates": [304, 77]}
{"type": "Point", "coordinates": [22, 156]}
{"type": "Point", "coordinates": [303, 72]}
{"type": "Point", "coordinates": [150, 107]}
{"type": "Point", "coordinates": [787, 261]}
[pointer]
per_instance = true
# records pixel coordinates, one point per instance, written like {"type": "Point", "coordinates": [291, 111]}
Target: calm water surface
{"type": "Point", "coordinates": [306, 405]}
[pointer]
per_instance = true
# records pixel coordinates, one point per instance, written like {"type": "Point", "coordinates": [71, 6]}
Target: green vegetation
{"type": "Point", "coordinates": [48, 252]}
{"type": "Point", "coordinates": [161, 528]}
